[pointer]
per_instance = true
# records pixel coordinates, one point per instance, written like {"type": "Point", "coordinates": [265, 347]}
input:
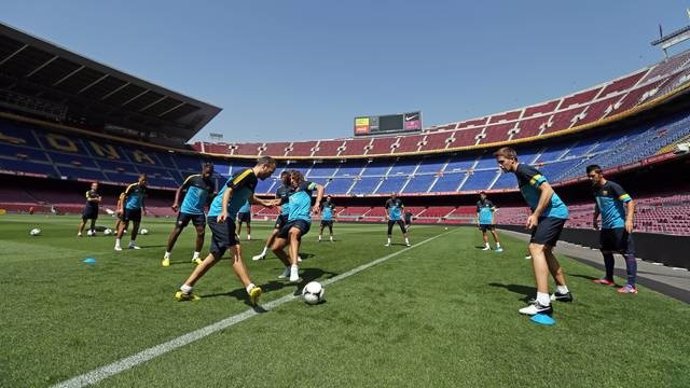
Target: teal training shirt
{"type": "Point", "coordinates": [242, 185]}
{"type": "Point", "coordinates": [611, 199]}
{"type": "Point", "coordinates": [529, 180]}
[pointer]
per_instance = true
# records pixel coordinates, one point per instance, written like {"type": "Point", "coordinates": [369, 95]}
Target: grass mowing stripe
{"type": "Point", "coordinates": [124, 364]}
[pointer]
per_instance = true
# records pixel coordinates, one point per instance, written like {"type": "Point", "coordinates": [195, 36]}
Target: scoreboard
{"type": "Point", "coordinates": [377, 125]}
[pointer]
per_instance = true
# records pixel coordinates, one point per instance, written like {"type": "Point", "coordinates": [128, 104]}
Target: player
{"type": "Point", "coordinates": [132, 209]}
{"type": "Point", "coordinates": [486, 220]}
{"type": "Point", "coordinates": [90, 211]}
{"type": "Point", "coordinates": [617, 211]}
{"type": "Point", "coordinates": [394, 208]}
{"type": "Point", "coordinates": [200, 188]}
{"type": "Point", "coordinates": [408, 220]}
{"type": "Point", "coordinates": [298, 223]}
{"type": "Point", "coordinates": [245, 215]}
{"type": "Point", "coordinates": [546, 222]}
{"type": "Point", "coordinates": [221, 220]}
{"type": "Point", "coordinates": [327, 214]}
{"type": "Point", "coordinates": [283, 193]}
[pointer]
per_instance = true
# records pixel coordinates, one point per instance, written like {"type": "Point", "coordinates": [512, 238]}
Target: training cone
{"type": "Point", "coordinates": [543, 319]}
{"type": "Point", "coordinates": [89, 260]}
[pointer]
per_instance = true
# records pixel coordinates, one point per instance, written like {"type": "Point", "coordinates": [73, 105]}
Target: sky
{"type": "Point", "coordinates": [286, 70]}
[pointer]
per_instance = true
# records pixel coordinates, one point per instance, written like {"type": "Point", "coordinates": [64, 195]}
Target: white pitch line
{"type": "Point", "coordinates": [126, 363]}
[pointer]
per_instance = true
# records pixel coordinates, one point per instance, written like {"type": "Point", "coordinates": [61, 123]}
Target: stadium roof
{"type": "Point", "coordinates": [41, 78]}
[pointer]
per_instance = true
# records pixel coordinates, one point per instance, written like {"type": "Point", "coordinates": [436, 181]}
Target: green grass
{"type": "Point", "coordinates": [441, 314]}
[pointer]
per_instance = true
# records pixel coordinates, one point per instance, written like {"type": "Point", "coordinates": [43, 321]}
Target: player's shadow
{"type": "Point", "coordinates": [527, 292]}
{"type": "Point", "coordinates": [583, 276]}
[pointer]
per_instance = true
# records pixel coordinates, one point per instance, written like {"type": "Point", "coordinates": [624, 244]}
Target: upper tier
{"type": "Point", "coordinates": [585, 109]}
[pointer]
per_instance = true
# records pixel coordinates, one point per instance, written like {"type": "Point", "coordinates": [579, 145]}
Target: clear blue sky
{"type": "Point", "coordinates": [302, 69]}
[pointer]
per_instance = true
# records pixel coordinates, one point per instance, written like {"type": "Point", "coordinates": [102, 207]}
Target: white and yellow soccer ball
{"type": "Point", "coordinates": [313, 293]}
{"type": "Point", "coordinates": [107, 232]}
{"type": "Point", "coordinates": [35, 232]}
{"type": "Point", "coordinates": [144, 231]}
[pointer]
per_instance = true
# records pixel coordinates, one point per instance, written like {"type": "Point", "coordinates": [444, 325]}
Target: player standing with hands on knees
{"type": "Point", "coordinates": [546, 222]}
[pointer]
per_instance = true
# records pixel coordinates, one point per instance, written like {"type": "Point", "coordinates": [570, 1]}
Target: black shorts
{"type": "Point", "coordinates": [281, 220]}
{"type": "Point", "coordinates": [90, 213]}
{"type": "Point", "coordinates": [132, 215]}
{"type": "Point", "coordinates": [548, 231]}
{"type": "Point", "coordinates": [244, 217]}
{"type": "Point", "coordinates": [485, 227]}
{"type": "Point", "coordinates": [616, 240]}
{"type": "Point", "coordinates": [222, 235]}
{"type": "Point", "coordinates": [326, 222]}
{"type": "Point", "coordinates": [184, 218]}
{"type": "Point", "coordinates": [399, 222]}
{"type": "Point", "coordinates": [302, 225]}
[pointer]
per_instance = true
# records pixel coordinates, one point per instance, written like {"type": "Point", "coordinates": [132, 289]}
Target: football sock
{"type": "Point", "coordinates": [249, 237]}
{"type": "Point", "coordinates": [196, 255]}
{"type": "Point", "coordinates": [498, 244]}
{"type": "Point", "coordinates": [132, 243]}
{"type": "Point", "coordinates": [263, 253]}
{"type": "Point", "coordinates": [407, 241]}
{"type": "Point", "coordinates": [166, 255]}
{"type": "Point", "coordinates": [543, 298]}
{"type": "Point", "coordinates": [389, 240]}
{"type": "Point", "coordinates": [487, 245]}
{"type": "Point", "coordinates": [608, 263]}
{"type": "Point", "coordinates": [250, 286]}
{"type": "Point", "coordinates": [319, 237]}
{"type": "Point", "coordinates": [631, 268]}
{"type": "Point", "coordinates": [562, 289]}
{"type": "Point", "coordinates": [186, 289]}
{"type": "Point", "coordinates": [117, 242]}
{"type": "Point", "coordinates": [331, 238]}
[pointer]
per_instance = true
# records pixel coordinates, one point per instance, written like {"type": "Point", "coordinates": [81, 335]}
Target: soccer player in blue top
{"type": "Point", "coordinates": [394, 208]}
{"type": "Point", "coordinates": [221, 220]}
{"type": "Point", "coordinates": [283, 194]}
{"type": "Point", "coordinates": [298, 223]}
{"type": "Point", "coordinates": [90, 209]}
{"type": "Point", "coordinates": [486, 221]}
{"type": "Point", "coordinates": [546, 222]}
{"type": "Point", "coordinates": [199, 191]}
{"type": "Point", "coordinates": [617, 211]}
{"type": "Point", "coordinates": [327, 213]}
{"type": "Point", "coordinates": [245, 215]}
{"type": "Point", "coordinates": [132, 208]}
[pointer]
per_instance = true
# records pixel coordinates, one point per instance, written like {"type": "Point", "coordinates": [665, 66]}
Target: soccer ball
{"type": "Point", "coordinates": [313, 293]}
{"type": "Point", "coordinates": [90, 233]}
{"type": "Point", "coordinates": [108, 232]}
{"type": "Point", "coordinates": [144, 231]}
{"type": "Point", "coordinates": [35, 232]}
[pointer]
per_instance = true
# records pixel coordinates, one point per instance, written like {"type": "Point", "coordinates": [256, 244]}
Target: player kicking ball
{"type": "Point", "coordinates": [221, 220]}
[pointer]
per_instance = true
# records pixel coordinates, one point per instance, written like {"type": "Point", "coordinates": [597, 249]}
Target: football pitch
{"type": "Point", "coordinates": [442, 313]}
